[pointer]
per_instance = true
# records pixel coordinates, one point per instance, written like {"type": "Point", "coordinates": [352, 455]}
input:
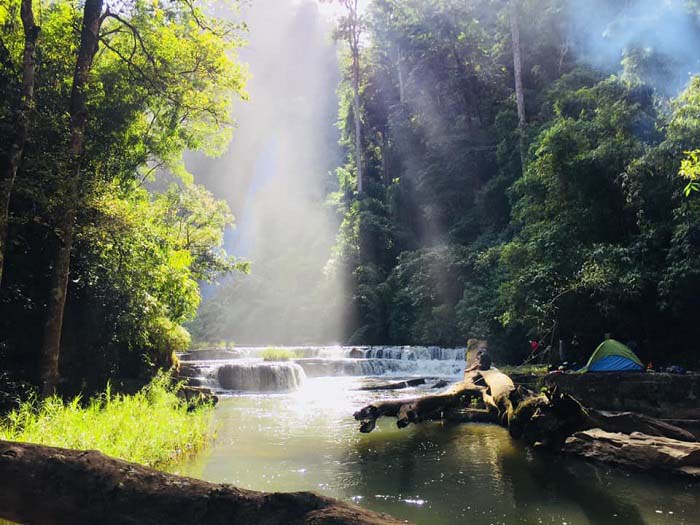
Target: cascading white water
{"type": "Point", "coordinates": [243, 369]}
{"type": "Point", "coordinates": [404, 353]}
{"type": "Point", "coordinates": [249, 376]}
{"type": "Point", "coordinates": [415, 353]}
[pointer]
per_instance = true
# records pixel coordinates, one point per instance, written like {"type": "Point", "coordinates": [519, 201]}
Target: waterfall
{"type": "Point", "coordinates": [243, 368]}
{"type": "Point", "coordinates": [323, 367]}
{"type": "Point", "coordinates": [260, 376]}
{"type": "Point", "coordinates": [403, 353]}
{"type": "Point", "coordinates": [415, 353]}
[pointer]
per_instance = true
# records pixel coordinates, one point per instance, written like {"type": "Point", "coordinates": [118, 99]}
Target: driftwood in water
{"type": "Point", "coordinates": [396, 386]}
{"type": "Point", "coordinates": [417, 409]}
{"type": "Point", "coordinates": [53, 486]}
{"type": "Point", "coordinates": [548, 419]}
{"type": "Point", "coordinates": [491, 388]}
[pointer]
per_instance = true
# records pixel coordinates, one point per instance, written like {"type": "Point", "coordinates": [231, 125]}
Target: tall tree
{"type": "Point", "coordinates": [10, 162]}
{"type": "Point", "coordinates": [89, 43]}
{"type": "Point", "coordinates": [518, 73]}
{"type": "Point", "coordinates": [350, 28]}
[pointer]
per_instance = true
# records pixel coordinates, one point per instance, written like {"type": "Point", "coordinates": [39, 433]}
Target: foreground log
{"type": "Point", "coordinates": [637, 450]}
{"type": "Point", "coordinates": [53, 486]}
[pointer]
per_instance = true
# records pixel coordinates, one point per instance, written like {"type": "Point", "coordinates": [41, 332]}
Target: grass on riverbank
{"type": "Point", "coordinates": [151, 427]}
{"type": "Point", "coordinates": [530, 369]}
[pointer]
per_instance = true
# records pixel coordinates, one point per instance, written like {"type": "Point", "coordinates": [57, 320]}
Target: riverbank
{"type": "Point", "coordinates": [152, 427]}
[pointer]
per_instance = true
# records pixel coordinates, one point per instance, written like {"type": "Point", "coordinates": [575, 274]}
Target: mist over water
{"type": "Point", "coordinates": [276, 177]}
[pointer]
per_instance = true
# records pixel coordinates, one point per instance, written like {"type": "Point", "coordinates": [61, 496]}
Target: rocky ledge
{"type": "Point", "coordinates": [637, 451]}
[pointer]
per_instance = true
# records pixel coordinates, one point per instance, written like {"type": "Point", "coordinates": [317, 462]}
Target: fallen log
{"type": "Point", "coordinates": [54, 486]}
{"type": "Point", "coordinates": [491, 388]}
{"type": "Point", "coordinates": [547, 419]}
{"type": "Point", "coordinates": [417, 409]}
{"type": "Point", "coordinates": [637, 450]}
{"type": "Point", "coordinates": [470, 415]}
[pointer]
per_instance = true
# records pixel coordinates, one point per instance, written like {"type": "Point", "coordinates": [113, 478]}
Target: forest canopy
{"type": "Point", "coordinates": [513, 170]}
{"type": "Point", "coordinates": [529, 173]}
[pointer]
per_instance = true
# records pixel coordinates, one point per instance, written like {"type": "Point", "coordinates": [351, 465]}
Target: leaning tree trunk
{"type": "Point", "coordinates": [54, 486]}
{"type": "Point", "coordinates": [518, 73]}
{"type": "Point", "coordinates": [70, 196]}
{"type": "Point", "coordinates": [10, 163]}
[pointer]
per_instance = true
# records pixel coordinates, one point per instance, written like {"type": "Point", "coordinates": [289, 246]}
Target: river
{"type": "Point", "coordinates": [431, 474]}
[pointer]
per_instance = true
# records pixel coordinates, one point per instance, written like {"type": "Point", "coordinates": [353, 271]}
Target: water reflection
{"type": "Point", "coordinates": [431, 474]}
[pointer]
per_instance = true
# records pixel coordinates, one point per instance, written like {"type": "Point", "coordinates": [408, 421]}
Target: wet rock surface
{"type": "Point", "coordinates": [637, 451]}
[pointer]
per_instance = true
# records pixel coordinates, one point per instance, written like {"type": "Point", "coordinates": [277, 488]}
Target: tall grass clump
{"type": "Point", "coordinates": [531, 369]}
{"type": "Point", "coordinates": [152, 427]}
{"type": "Point", "coordinates": [278, 354]}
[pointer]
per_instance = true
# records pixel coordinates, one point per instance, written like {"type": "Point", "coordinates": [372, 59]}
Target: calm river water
{"type": "Point", "coordinates": [431, 474]}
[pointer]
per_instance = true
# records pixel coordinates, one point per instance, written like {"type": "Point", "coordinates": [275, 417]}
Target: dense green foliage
{"type": "Point", "coordinates": [162, 83]}
{"type": "Point", "coordinates": [454, 238]}
{"type": "Point", "coordinates": [152, 427]}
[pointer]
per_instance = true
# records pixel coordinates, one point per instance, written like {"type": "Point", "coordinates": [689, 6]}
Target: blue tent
{"type": "Point", "coordinates": [613, 356]}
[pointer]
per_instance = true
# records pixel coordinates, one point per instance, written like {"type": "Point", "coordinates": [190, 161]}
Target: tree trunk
{"type": "Point", "coordinates": [386, 151]}
{"type": "Point", "coordinates": [518, 73]}
{"type": "Point", "coordinates": [10, 163]}
{"type": "Point", "coordinates": [356, 114]}
{"type": "Point", "coordinates": [89, 39]}
{"type": "Point", "coordinates": [402, 76]}
{"type": "Point", "coordinates": [54, 486]}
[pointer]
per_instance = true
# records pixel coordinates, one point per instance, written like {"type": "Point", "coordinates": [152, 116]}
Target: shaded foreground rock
{"type": "Point", "coordinates": [637, 450]}
{"type": "Point", "coordinates": [53, 486]}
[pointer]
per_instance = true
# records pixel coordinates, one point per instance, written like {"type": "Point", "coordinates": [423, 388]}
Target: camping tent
{"type": "Point", "coordinates": [613, 356]}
